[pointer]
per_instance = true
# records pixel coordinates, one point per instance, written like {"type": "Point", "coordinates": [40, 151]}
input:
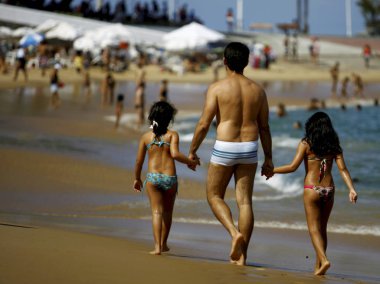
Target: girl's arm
{"type": "Point", "coordinates": [137, 185]}
{"type": "Point", "coordinates": [353, 196]}
{"type": "Point", "coordinates": [178, 156]}
{"type": "Point", "coordinates": [297, 160]}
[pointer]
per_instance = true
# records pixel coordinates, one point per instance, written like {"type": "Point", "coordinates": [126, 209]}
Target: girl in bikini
{"type": "Point", "coordinates": [318, 149]}
{"type": "Point", "coordinates": [162, 146]}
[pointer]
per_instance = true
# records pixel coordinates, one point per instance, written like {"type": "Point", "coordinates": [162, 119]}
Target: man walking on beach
{"type": "Point", "coordinates": [241, 110]}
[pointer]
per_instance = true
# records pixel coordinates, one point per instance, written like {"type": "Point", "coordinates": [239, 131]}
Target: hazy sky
{"type": "Point", "coordinates": [325, 16]}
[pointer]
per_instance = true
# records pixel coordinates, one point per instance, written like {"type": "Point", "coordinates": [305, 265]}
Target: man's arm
{"type": "Point", "coordinates": [265, 137]}
{"type": "Point", "coordinates": [204, 122]}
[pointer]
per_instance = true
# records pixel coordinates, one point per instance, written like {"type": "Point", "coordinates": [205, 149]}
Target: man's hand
{"type": "Point", "coordinates": [194, 158]}
{"type": "Point", "coordinates": [267, 168]}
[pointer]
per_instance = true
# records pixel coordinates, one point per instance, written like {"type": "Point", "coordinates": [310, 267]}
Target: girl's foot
{"type": "Point", "coordinates": [317, 266]}
{"type": "Point", "coordinates": [165, 248]}
{"type": "Point", "coordinates": [323, 268]}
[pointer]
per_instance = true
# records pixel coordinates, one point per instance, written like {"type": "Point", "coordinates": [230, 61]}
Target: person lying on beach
{"type": "Point", "coordinates": [162, 146]}
{"type": "Point", "coordinates": [318, 149]}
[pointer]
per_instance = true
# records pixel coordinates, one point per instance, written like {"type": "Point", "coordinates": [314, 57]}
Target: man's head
{"type": "Point", "coordinates": [236, 56]}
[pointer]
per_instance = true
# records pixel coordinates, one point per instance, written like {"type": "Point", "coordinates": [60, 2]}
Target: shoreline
{"type": "Point", "coordinates": [71, 78]}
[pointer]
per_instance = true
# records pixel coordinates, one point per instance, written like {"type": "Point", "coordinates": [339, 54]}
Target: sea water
{"type": "Point", "coordinates": [278, 202]}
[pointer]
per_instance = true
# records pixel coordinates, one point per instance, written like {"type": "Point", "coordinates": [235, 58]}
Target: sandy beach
{"type": "Point", "coordinates": [54, 226]}
{"type": "Point", "coordinates": [44, 248]}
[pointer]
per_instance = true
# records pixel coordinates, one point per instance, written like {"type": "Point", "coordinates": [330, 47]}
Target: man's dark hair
{"type": "Point", "coordinates": [236, 55]}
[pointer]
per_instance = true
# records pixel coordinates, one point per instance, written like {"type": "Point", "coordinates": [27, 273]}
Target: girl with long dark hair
{"type": "Point", "coordinates": [161, 184]}
{"type": "Point", "coordinates": [318, 149]}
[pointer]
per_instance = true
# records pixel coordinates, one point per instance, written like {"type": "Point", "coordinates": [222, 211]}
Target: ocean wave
{"type": "Point", "coordinates": [349, 229]}
{"type": "Point", "coordinates": [332, 228]}
{"type": "Point", "coordinates": [274, 109]}
{"type": "Point", "coordinates": [287, 186]}
{"type": "Point", "coordinates": [189, 137]}
{"type": "Point", "coordinates": [284, 141]}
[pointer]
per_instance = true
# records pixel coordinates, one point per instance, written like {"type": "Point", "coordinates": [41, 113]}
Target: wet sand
{"type": "Point", "coordinates": [40, 248]}
{"type": "Point", "coordinates": [41, 255]}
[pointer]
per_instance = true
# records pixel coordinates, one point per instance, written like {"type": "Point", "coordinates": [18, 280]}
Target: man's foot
{"type": "Point", "coordinates": [323, 268]}
{"type": "Point", "coordinates": [237, 247]}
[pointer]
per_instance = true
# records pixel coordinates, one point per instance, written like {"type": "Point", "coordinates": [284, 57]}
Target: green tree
{"type": "Point", "coordinates": [371, 12]}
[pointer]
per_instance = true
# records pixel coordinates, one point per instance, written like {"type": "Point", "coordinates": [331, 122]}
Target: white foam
{"type": "Point", "coordinates": [285, 142]}
{"type": "Point", "coordinates": [286, 186]}
{"type": "Point", "coordinates": [187, 137]}
{"type": "Point", "coordinates": [301, 226]}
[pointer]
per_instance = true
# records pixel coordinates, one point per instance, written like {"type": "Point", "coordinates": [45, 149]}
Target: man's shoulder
{"type": "Point", "coordinates": [256, 87]}
{"type": "Point", "coordinates": [227, 83]}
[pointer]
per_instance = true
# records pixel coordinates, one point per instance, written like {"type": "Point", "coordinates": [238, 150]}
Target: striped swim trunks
{"type": "Point", "coordinates": [234, 153]}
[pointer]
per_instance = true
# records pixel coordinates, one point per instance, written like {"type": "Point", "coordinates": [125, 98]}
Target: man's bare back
{"type": "Point", "coordinates": [245, 97]}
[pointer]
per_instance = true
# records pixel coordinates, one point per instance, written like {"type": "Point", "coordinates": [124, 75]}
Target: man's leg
{"type": "Point", "coordinates": [217, 181]}
{"type": "Point", "coordinates": [244, 179]}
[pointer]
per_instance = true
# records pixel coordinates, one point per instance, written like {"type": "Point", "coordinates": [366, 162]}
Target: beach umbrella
{"type": "Point", "coordinates": [114, 34]}
{"type": "Point", "coordinates": [46, 25]}
{"type": "Point", "coordinates": [64, 31]}
{"type": "Point", "coordinates": [84, 43]}
{"type": "Point", "coordinates": [22, 31]}
{"type": "Point", "coordinates": [5, 32]}
{"type": "Point", "coordinates": [32, 39]}
{"type": "Point", "coordinates": [191, 36]}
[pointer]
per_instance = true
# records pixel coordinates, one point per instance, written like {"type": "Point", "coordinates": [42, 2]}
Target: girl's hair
{"type": "Point", "coordinates": [160, 115]}
{"type": "Point", "coordinates": [321, 136]}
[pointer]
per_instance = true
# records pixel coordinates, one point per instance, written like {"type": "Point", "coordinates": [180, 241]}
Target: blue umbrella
{"type": "Point", "coordinates": [31, 40]}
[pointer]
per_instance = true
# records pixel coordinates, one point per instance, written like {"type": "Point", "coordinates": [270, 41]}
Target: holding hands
{"type": "Point", "coordinates": [195, 161]}
{"type": "Point", "coordinates": [267, 169]}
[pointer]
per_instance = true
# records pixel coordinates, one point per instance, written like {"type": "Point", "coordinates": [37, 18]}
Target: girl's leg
{"type": "Point", "coordinates": [325, 214]}
{"type": "Point", "coordinates": [156, 204]}
{"type": "Point", "coordinates": [167, 215]}
{"type": "Point", "coordinates": [313, 210]}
